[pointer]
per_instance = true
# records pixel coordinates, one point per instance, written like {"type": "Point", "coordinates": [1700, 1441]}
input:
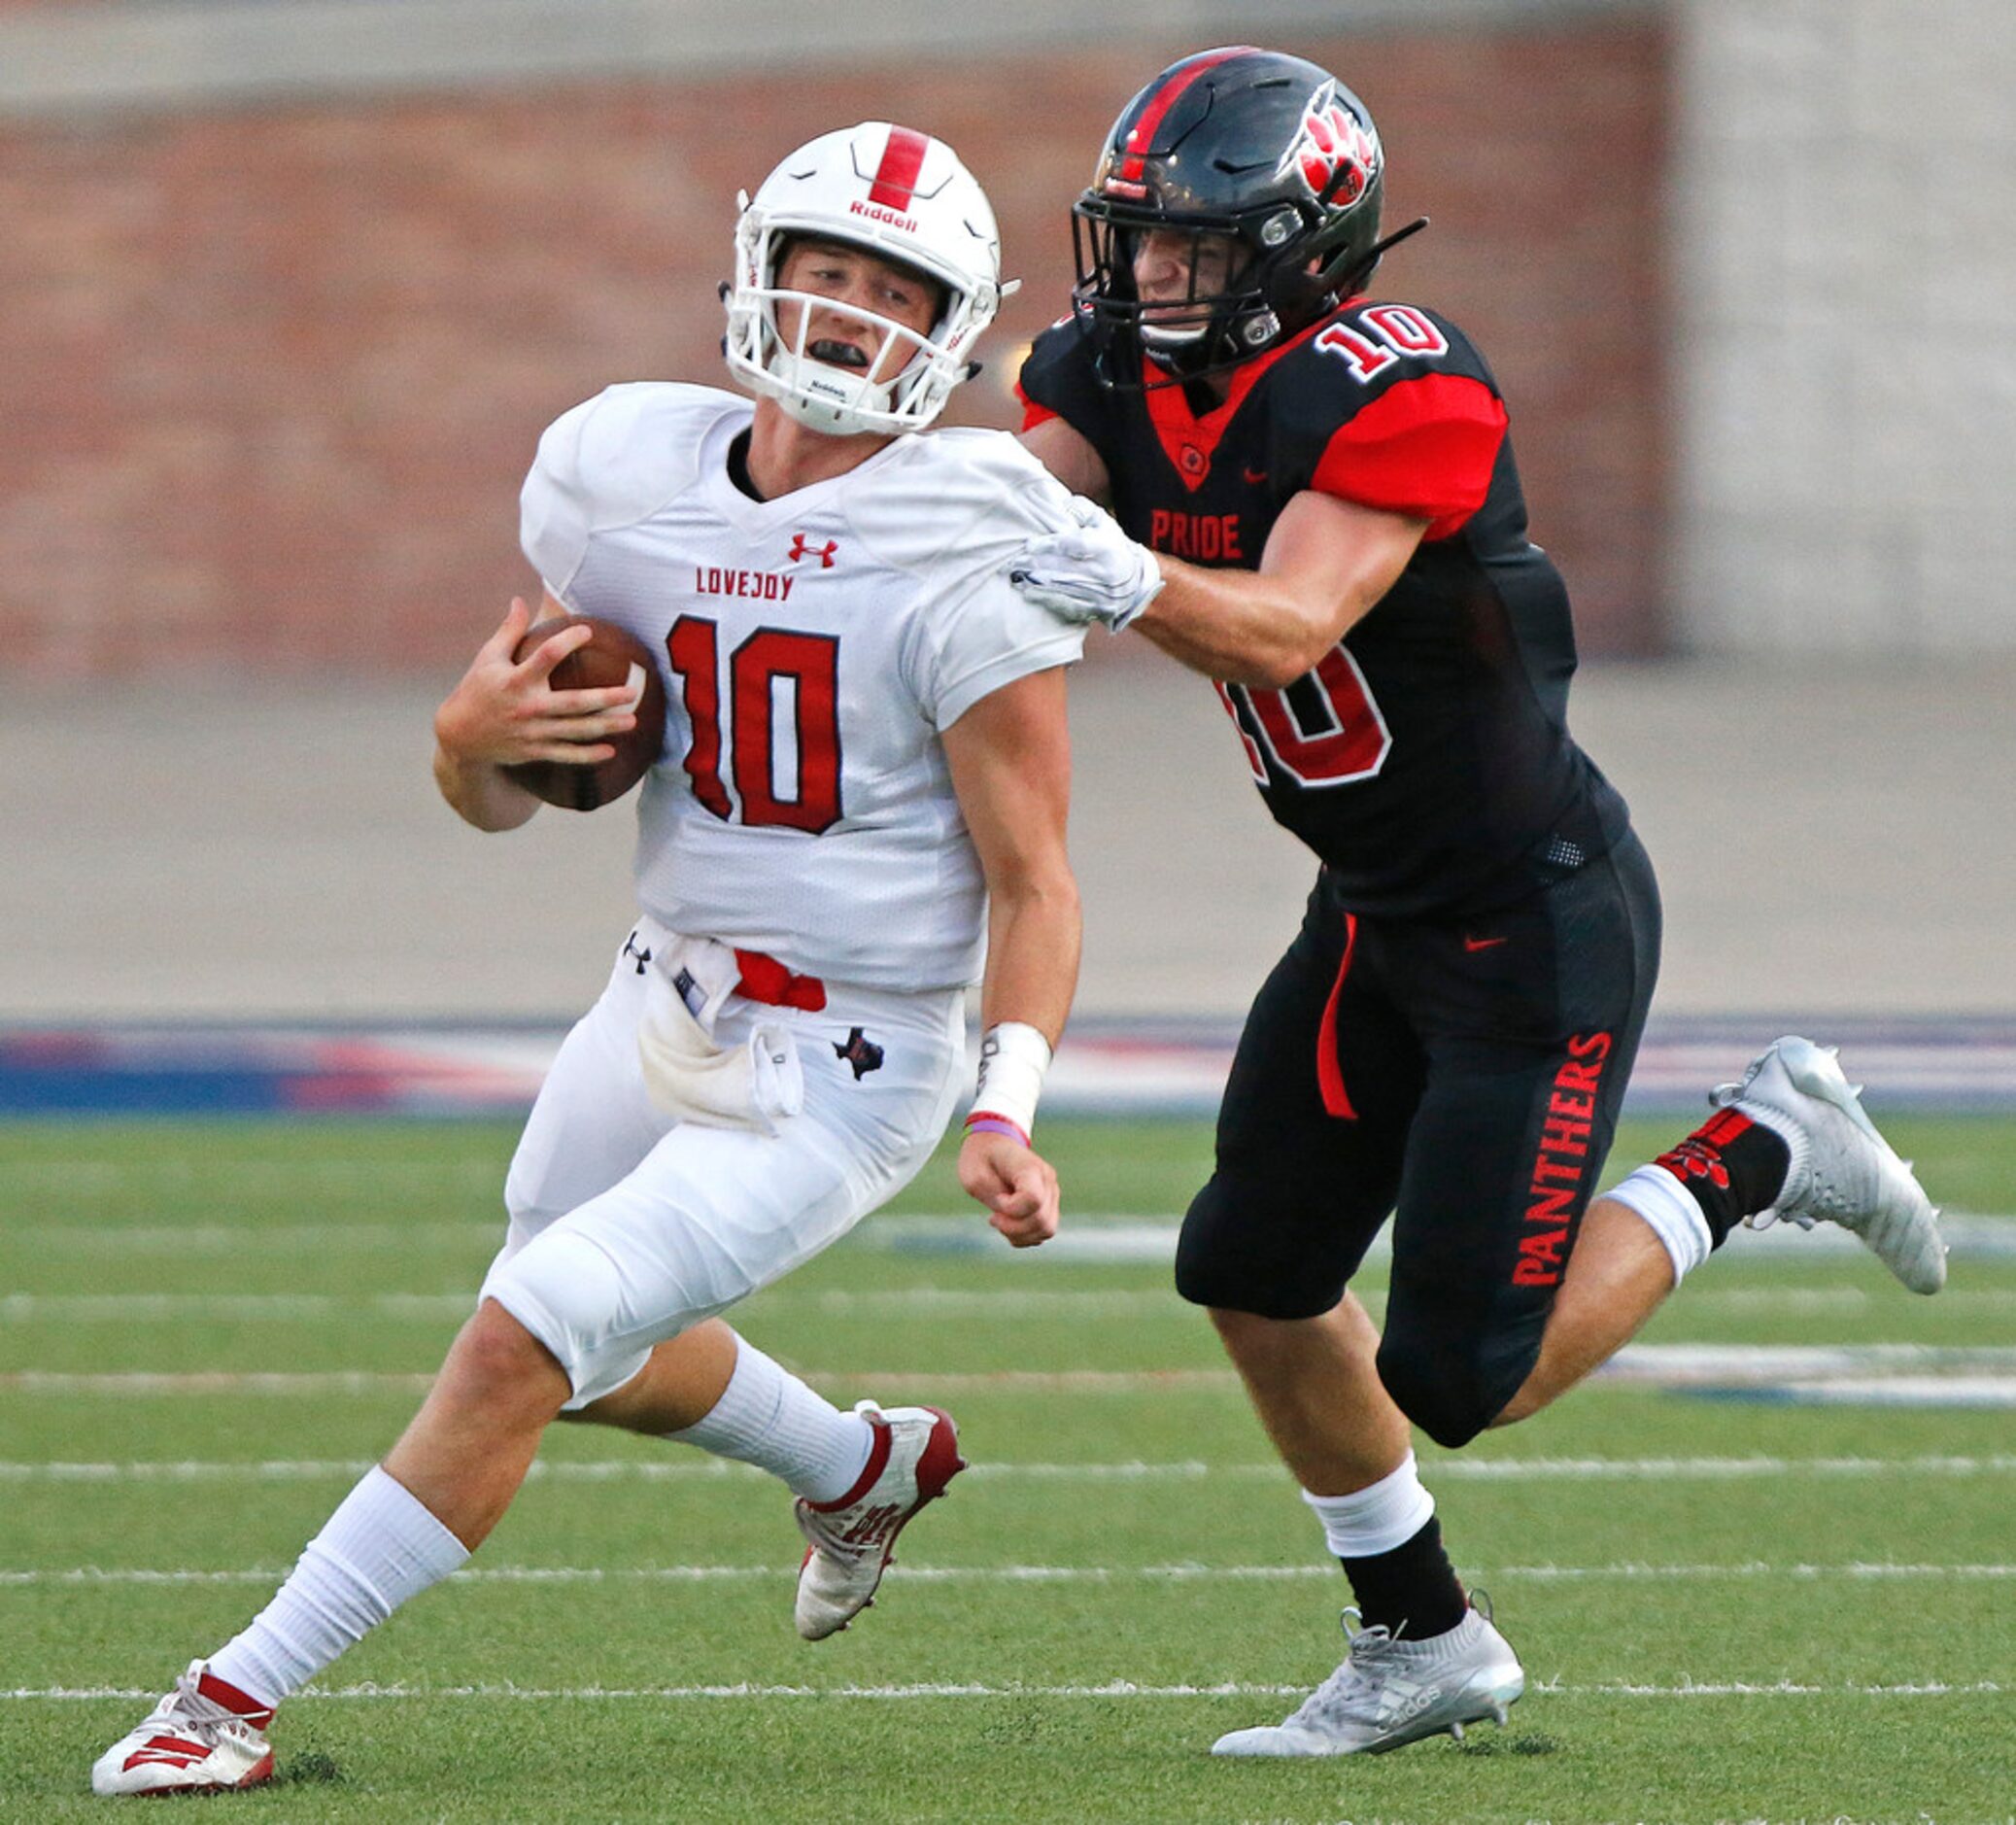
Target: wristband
{"type": "Point", "coordinates": [978, 1124]}
{"type": "Point", "coordinates": [1013, 1058]}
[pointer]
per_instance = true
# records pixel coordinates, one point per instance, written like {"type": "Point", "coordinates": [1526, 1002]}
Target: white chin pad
{"type": "Point", "coordinates": [837, 399]}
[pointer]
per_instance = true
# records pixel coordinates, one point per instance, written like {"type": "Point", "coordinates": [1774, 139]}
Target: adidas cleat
{"type": "Point", "coordinates": [1390, 1691]}
{"type": "Point", "coordinates": [914, 1456]}
{"type": "Point", "coordinates": [205, 1736]}
{"type": "Point", "coordinates": [1842, 1171]}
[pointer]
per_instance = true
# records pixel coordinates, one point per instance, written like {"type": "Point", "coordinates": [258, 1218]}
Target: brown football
{"type": "Point", "coordinates": [605, 660]}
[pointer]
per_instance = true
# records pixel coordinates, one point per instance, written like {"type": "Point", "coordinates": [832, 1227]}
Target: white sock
{"type": "Point", "coordinates": [768, 1416]}
{"type": "Point", "coordinates": [1375, 1519]}
{"type": "Point", "coordinates": [380, 1547]}
{"type": "Point", "coordinates": [1675, 1218]}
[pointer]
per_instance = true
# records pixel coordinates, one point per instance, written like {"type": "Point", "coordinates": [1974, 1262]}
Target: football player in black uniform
{"type": "Point", "coordinates": [1317, 508]}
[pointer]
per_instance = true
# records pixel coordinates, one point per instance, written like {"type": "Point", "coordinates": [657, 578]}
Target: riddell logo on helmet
{"type": "Point", "coordinates": [1332, 140]}
{"type": "Point", "coordinates": [874, 212]}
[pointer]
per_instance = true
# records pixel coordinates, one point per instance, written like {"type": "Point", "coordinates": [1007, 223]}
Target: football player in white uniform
{"type": "Point", "coordinates": [862, 794]}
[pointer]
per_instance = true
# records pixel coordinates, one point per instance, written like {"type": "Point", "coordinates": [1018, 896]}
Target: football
{"type": "Point", "coordinates": [612, 657]}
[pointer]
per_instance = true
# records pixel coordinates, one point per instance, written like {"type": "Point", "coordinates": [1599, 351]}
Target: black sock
{"type": "Point", "coordinates": [1734, 1167]}
{"type": "Point", "coordinates": [1412, 1590]}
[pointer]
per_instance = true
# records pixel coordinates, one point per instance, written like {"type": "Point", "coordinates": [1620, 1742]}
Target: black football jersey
{"type": "Point", "coordinates": [1428, 759]}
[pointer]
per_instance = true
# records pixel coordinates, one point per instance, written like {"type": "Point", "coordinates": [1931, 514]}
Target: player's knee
{"type": "Point", "coordinates": [1440, 1387]}
{"type": "Point", "coordinates": [563, 1296]}
{"type": "Point", "coordinates": [1197, 1259]}
{"type": "Point", "coordinates": [1220, 1265]}
{"type": "Point", "coordinates": [1238, 1329]}
{"type": "Point", "coordinates": [495, 1360]}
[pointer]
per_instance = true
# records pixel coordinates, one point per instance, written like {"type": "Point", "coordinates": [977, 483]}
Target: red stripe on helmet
{"type": "Point", "coordinates": [895, 177]}
{"type": "Point", "coordinates": [1142, 134]}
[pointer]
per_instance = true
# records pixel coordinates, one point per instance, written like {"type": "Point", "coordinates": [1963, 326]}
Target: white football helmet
{"type": "Point", "coordinates": [904, 198]}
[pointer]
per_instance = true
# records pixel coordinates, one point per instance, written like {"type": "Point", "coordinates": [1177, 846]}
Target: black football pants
{"type": "Point", "coordinates": [1462, 1075]}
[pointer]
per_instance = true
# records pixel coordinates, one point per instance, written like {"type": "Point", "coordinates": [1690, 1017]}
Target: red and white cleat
{"type": "Point", "coordinates": [915, 1454]}
{"type": "Point", "coordinates": [204, 1736]}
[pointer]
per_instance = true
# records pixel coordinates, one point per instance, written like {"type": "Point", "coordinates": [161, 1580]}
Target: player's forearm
{"type": "Point", "coordinates": [1033, 933]}
{"type": "Point", "coordinates": [1241, 626]}
{"type": "Point", "coordinates": [481, 793]}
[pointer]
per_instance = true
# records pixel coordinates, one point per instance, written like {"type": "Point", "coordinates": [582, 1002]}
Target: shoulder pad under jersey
{"type": "Point", "coordinates": [951, 508]}
{"type": "Point", "coordinates": [1391, 407]}
{"type": "Point", "coordinates": [957, 501]}
{"type": "Point", "coordinates": [1058, 380]}
{"type": "Point", "coordinates": [609, 462]}
{"type": "Point", "coordinates": [1364, 349]}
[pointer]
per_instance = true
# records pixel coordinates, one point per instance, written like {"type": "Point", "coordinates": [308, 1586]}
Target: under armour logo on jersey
{"type": "Point", "coordinates": [630, 949]}
{"type": "Point", "coordinates": [860, 1051]}
{"type": "Point", "coordinates": [802, 548]}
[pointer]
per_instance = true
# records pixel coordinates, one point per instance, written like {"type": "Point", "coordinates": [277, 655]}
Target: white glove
{"type": "Point", "coordinates": [1089, 571]}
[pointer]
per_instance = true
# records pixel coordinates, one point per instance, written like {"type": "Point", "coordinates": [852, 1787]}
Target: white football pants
{"type": "Point", "coordinates": [629, 1227]}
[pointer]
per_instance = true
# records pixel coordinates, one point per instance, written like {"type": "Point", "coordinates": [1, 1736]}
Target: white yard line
{"type": "Point", "coordinates": [926, 1302]}
{"type": "Point", "coordinates": [1629, 1572]}
{"type": "Point", "coordinates": [1789, 1300]}
{"type": "Point", "coordinates": [1110, 1689]}
{"type": "Point", "coordinates": [1991, 1370]}
{"type": "Point", "coordinates": [216, 1381]}
{"type": "Point", "coordinates": [1684, 1469]}
{"type": "Point", "coordinates": [1688, 1364]}
{"type": "Point", "coordinates": [148, 1382]}
{"type": "Point", "coordinates": [916, 1302]}
{"type": "Point", "coordinates": [689, 1465]}
{"type": "Point", "coordinates": [1969, 1234]}
{"type": "Point", "coordinates": [90, 1177]}
{"type": "Point", "coordinates": [270, 1241]}
{"type": "Point", "coordinates": [1087, 1236]}
{"type": "Point", "coordinates": [1951, 1392]}
{"type": "Point", "coordinates": [184, 1308]}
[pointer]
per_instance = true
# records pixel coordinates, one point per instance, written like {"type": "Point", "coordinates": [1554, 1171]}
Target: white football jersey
{"type": "Point", "coordinates": [814, 647]}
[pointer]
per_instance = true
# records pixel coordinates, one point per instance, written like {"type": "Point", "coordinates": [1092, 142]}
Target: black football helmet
{"type": "Point", "coordinates": [1263, 148]}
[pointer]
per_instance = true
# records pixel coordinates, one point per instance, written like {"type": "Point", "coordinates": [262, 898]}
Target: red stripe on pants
{"type": "Point", "coordinates": [1330, 1074]}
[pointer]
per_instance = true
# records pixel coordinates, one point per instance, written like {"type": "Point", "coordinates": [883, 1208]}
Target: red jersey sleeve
{"type": "Point", "coordinates": [1033, 414]}
{"type": "Point", "coordinates": [1425, 447]}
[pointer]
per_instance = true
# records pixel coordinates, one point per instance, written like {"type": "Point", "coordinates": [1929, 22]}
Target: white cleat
{"type": "Point", "coordinates": [915, 1454]}
{"type": "Point", "coordinates": [1842, 1171]}
{"type": "Point", "coordinates": [1390, 1691]}
{"type": "Point", "coordinates": [205, 1736]}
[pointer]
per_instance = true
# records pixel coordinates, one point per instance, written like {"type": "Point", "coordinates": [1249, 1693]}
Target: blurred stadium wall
{"type": "Point", "coordinates": [290, 289]}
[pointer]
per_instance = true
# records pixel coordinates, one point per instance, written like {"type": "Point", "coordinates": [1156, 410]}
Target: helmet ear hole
{"type": "Point", "coordinates": [1293, 290]}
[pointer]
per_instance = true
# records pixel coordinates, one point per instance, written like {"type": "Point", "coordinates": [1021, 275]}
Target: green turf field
{"type": "Point", "coordinates": [1727, 1612]}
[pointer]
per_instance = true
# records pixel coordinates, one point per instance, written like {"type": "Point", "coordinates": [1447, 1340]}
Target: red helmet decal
{"type": "Point", "coordinates": [1333, 141]}
{"type": "Point", "coordinates": [1168, 90]}
{"type": "Point", "coordinates": [895, 181]}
